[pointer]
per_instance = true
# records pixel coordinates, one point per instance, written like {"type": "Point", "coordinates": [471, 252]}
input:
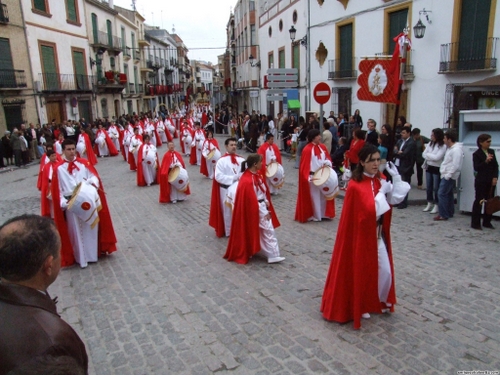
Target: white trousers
{"type": "Point", "coordinates": [268, 241]}
{"type": "Point", "coordinates": [83, 239]}
{"type": "Point", "coordinates": [384, 271]}
{"type": "Point", "coordinates": [227, 211]}
{"type": "Point", "coordinates": [176, 195]}
{"type": "Point", "coordinates": [318, 202]}
{"type": "Point", "coordinates": [149, 172]}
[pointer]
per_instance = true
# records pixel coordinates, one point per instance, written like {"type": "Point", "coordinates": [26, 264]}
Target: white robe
{"type": "Point", "coordinates": [176, 195]}
{"type": "Point", "coordinates": [199, 137]}
{"type": "Point", "coordinates": [114, 134]}
{"type": "Point", "coordinates": [133, 147]}
{"type": "Point", "coordinates": [227, 173]}
{"type": "Point", "coordinates": [317, 197]}
{"type": "Point", "coordinates": [205, 150]}
{"type": "Point", "coordinates": [83, 238]}
{"type": "Point", "coordinates": [270, 157]}
{"type": "Point", "coordinates": [81, 147]}
{"type": "Point", "coordinates": [149, 170]}
{"type": "Point", "coordinates": [161, 131]}
{"type": "Point", "coordinates": [103, 147]}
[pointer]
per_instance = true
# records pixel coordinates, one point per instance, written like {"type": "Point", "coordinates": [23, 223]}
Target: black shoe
{"type": "Point", "coordinates": [476, 227]}
{"type": "Point", "coordinates": [488, 226]}
{"type": "Point", "coordinates": [402, 206]}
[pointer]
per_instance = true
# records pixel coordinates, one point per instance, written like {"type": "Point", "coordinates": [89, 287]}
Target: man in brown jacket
{"type": "Point", "coordinates": [30, 261]}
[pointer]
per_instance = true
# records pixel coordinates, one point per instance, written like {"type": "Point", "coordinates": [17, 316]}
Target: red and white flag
{"type": "Point", "coordinates": [376, 83]}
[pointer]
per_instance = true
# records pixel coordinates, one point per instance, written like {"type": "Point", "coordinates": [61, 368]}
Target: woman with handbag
{"type": "Point", "coordinates": [486, 178]}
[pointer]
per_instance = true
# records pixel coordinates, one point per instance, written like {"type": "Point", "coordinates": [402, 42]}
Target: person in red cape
{"type": "Point", "coordinates": [270, 153]}
{"type": "Point", "coordinates": [207, 167]}
{"type": "Point", "coordinates": [157, 135]}
{"type": "Point", "coordinates": [168, 193]}
{"type": "Point", "coordinates": [311, 203]}
{"type": "Point", "coordinates": [46, 208]}
{"type": "Point", "coordinates": [186, 138]}
{"type": "Point", "coordinates": [361, 275]}
{"type": "Point", "coordinates": [104, 149]}
{"type": "Point", "coordinates": [253, 205]}
{"type": "Point", "coordinates": [81, 241]}
{"type": "Point", "coordinates": [44, 160]}
{"type": "Point", "coordinates": [147, 169]}
{"type": "Point", "coordinates": [134, 144]}
{"type": "Point", "coordinates": [227, 173]}
{"type": "Point", "coordinates": [204, 118]}
{"type": "Point", "coordinates": [357, 144]}
{"type": "Point", "coordinates": [84, 148]}
{"type": "Point", "coordinates": [196, 148]}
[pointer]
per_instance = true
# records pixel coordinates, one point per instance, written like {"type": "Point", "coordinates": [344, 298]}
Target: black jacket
{"type": "Point", "coordinates": [485, 172]}
{"type": "Point", "coordinates": [407, 158]}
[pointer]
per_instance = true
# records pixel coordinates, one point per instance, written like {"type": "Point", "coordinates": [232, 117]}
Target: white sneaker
{"type": "Point", "coordinates": [174, 201]}
{"type": "Point", "coordinates": [428, 207]}
{"type": "Point", "coordinates": [365, 316]}
{"type": "Point", "coordinates": [275, 260]}
{"type": "Point", "coordinates": [435, 210]}
{"type": "Point", "coordinates": [386, 311]}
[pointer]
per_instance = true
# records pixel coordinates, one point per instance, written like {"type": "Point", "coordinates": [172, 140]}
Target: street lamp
{"type": "Point", "coordinates": [293, 32]}
{"type": "Point", "coordinates": [419, 28]}
{"type": "Point", "coordinates": [98, 60]}
{"type": "Point", "coordinates": [251, 59]}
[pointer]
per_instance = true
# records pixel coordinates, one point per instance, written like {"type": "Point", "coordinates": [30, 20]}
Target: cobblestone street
{"type": "Point", "coordinates": [168, 303]}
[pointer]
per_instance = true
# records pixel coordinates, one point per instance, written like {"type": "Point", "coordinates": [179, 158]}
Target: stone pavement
{"type": "Point", "coordinates": [168, 303]}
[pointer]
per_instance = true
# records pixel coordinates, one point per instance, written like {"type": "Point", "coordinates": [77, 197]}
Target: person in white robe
{"type": "Point", "coordinates": [114, 134]}
{"type": "Point", "coordinates": [198, 139]}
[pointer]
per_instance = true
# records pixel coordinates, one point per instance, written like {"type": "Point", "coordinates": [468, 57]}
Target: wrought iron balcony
{"type": "Point", "coordinates": [55, 82]}
{"type": "Point", "coordinates": [12, 79]}
{"type": "Point", "coordinates": [137, 54]}
{"type": "Point", "coordinates": [103, 40]}
{"type": "Point", "coordinates": [4, 13]}
{"type": "Point", "coordinates": [338, 69]}
{"type": "Point", "coordinates": [476, 55]}
{"type": "Point", "coordinates": [127, 53]}
{"type": "Point", "coordinates": [131, 88]}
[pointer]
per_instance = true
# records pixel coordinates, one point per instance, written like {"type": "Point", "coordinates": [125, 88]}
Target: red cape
{"type": "Point", "coordinates": [40, 170]}
{"type": "Point", "coordinates": [262, 151]}
{"type": "Point", "coordinates": [192, 157]}
{"type": "Point", "coordinates": [111, 146]}
{"type": "Point", "coordinates": [157, 136]}
{"type": "Point", "coordinates": [90, 151]}
{"type": "Point", "coordinates": [131, 158]}
{"type": "Point", "coordinates": [45, 190]}
{"type": "Point", "coordinates": [140, 175]}
{"type": "Point", "coordinates": [244, 241]}
{"type": "Point", "coordinates": [106, 239]}
{"type": "Point", "coordinates": [162, 177]}
{"type": "Point", "coordinates": [203, 167]}
{"type": "Point", "coordinates": [351, 287]}
{"type": "Point", "coordinates": [121, 135]}
{"type": "Point", "coordinates": [304, 208]}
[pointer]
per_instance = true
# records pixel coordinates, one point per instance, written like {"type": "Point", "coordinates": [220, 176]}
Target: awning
{"type": "Point", "coordinates": [487, 84]}
{"type": "Point", "coordinates": [293, 104]}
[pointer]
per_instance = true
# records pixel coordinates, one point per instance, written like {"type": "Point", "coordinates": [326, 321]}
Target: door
{"type": "Point", "coordinates": [109, 26]}
{"type": "Point", "coordinates": [85, 109]}
{"type": "Point", "coordinates": [397, 22]}
{"type": "Point", "coordinates": [49, 67]}
{"type": "Point", "coordinates": [95, 32]}
{"type": "Point", "coordinates": [13, 116]}
{"type": "Point", "coordinates": [55, 111]}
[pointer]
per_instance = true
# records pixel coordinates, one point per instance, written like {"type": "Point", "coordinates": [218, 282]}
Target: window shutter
{"type": "Point", "coordinates": [40, 5]}
{"type": "Point", "coordinates": [474, 24]}
{"type": "Point", "coordinates": [345, 63]}
{"type": "Point", "coordinates": [397, 22]}
{"type": "Point", "coordinates": [49, 67]}
{"type": "Point", "coordinates": [71, 9]}
{"type": "Point", "coordinates": [5, 55]}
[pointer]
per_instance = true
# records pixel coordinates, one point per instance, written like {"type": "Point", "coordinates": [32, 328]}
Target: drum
{"type": "Point", "coordinates": [214, 155]}
{"type": "Point", "coordinates": [85, 203]}
{"type": "Point", "coordinates": [178, 178]}
{"type": "Point", "coordinates": [326, 179]}
{"type": "Point", "coordinates": [149, 157]}
{"type": "Point", "coordinates": [80, 148]}
{"type": "Point", "coordinates": [101, 140]}
{"type": "Point", "coordinates": [276, 174]}
{"type": "Point", "coordinates": [231, 195]}
{"type": "Point", "coordinates": [187, 140]}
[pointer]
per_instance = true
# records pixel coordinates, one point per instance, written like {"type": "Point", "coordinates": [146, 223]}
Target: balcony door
{"type": "Point", "coordinates": [55, 111]}
{"type": "Point", "coordinates": [49, 66]}
{"type": "Point", "coordinates": [79, 68]}
{"type": "Point", "coordinates": [7, 75]}
{"type": "Point", "coordinates": [345, 67]}
{"type": "Point", "coordinates": [473, 39]}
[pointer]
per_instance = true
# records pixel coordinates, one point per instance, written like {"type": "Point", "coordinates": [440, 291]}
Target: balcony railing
{"type": "Point", "coordinates": [137, 54]}
{"type": "Point", "coordinates": [4, 13]}
{"type": "Point", "coordinates": [476, 55]}
{"type": "Point", "coordinates": [131, 88]}
{"type": "Point", "coordinates": [66, 82]}
{"type": "Point", "coordinates": [139, 88]}
{"type": "Point", "coordinates": [126, 52]}
{"type": "Point", "coordinates": [12, 79]}
{"type": "Point", "coordinates": [103, 39]}
{"type": "Point", "coordinates": [336, 71]}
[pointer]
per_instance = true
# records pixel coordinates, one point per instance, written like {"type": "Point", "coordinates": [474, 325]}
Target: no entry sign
{"type": "Point", "coordinates": [322, 93]}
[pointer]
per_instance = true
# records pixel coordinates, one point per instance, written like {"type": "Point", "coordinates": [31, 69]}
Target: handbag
{"type": "Point", "coordinates": [492, 204]}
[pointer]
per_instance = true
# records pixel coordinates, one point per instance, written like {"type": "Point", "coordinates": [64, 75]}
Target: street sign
{"type": "Point", "coordinates": [322, 93]}
{"type": "Point", "coordinates": [254, 94]}
{"type": "Point", "coordinates": [287, 77]}
{"type": "Point", "coordinates": [275, 85]}
{"type": "Point", "coordinates": [282, 71]}
{"type": "Point", "coordinates": [275, 92]}
{"type": "Point", "coordinates": [274, 98]}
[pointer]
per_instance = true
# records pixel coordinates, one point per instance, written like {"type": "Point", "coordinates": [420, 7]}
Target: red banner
{"type": "Point", "coordinates": [377, 81]}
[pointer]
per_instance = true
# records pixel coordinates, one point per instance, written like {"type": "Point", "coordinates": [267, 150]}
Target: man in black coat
{"type": "Point", "coordinates": [405, 154]}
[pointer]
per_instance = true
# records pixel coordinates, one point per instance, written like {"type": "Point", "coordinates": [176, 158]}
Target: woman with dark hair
{"type": "Point", "coordinates": [252, 205]}
{"type": "Point", "coordinates": [357, 144]}
{"type": "Point", "coordinates": [386, 129]}
{"type": "Point", "coordinates": [357, 118]}
{"type": "Point", "coordinates": [433, 156]}
{"type": "Point", "coordinates": [486, 178]}
{"type": "Point", "coordinates": [361, 275]}
{"type": "Point", "coordinates": [311, 203]}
